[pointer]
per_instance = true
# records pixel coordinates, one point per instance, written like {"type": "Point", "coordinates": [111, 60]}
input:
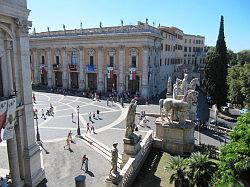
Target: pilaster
{"type": "Point", "coordinates": [81, 62]}
{"type": "Point", "coordinates": [65, 68]}
{"type": "Point", "coordinates": [145, 70]}
{"type": "Point", "coordinates": [121, 78]}
{"type": "Point", "coordinates": [48, 56]}
{"type": "Point", "coordinates": [100, 64]}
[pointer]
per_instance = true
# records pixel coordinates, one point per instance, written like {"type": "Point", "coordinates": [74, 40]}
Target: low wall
{"type": "Point", "coordinates": [132, 167]}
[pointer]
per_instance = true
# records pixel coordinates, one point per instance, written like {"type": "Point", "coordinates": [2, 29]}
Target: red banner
{"type": "Point", "coordinates": [132, 74]}
{"type": "Point", "coordinates": [3, 115]}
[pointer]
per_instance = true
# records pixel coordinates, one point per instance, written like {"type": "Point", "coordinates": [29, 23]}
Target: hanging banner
{"type": "Point", "coordinates": [110, 72]}
{"type": "Point", "coordinates": [132, 73]}
{"type": "Point", "coordinates": [10, 121]}
{"type": "Point", "coordinates": [42, 69]}
{"type": "Point", "coordinates": [3, 115]}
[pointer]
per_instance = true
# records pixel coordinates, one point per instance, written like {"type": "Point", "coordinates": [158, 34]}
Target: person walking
{"type": "Point", "coordinates": [92, 128]}
{"type": "Point", "coordinates": [97, 112]}
{"type": "Point", "coordinates": [43, 116]}
{"type": "Point", "coordinates": [67, 143]}
{"type": "Point", "coordinates": [88, 128]}
{"type": "Point", "coordinates": [93, 115]}
{"type": "Point", "coordinates": [108, 102]}
{"type": "Point", "coordinates": [34, 98]}
{"type": "Point", "coordinates": [84, 158]}
{"type": "Point", "coordinates": [90, 117]}
{"type": "Point", "coordinates": [121, 100]}
{"type": "Point", "coordinates": [72, 117]}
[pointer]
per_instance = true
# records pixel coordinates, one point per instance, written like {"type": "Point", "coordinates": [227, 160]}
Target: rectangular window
{"type": "Point", "coordinates": [193, 49]}
{"type": "Point", "coordinates": [161, 46]}
{"type": "Point", "coordinates": [194, 41]}
{"type": "Point", "coordinates": [133, 64]}
{"type": "Point", "coordinates": [166, 47]}
{"type": "Point", "coordinates": [160, 62]}
{"type": "Point", "coordinates": [91, 60]}
{"type": "Point", "coordinates": [185, 49]}
{"type": "Point", "coordinates": [185, 40]}
{"type": "Point", "coordinates": [165, 61]}
{"type": "Point", "coordinates": [30, 59]}
{"type": "Point", "coordinates": [189, 40]}
{"type": "Point", "coordinates": [57, 60]}
{"type": "Point", "coordinates": [190, 49]}
{"type": "Point", "coordinates": [111, 61]}
{"type": "Point", "coordinates": [43, 61]}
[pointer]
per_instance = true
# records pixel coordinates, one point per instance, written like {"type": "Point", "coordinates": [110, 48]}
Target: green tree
{"type": "Point", "coordinates": [215, 75]}
{"type": "Point", "coordinates": [234, 158]}
{"type": "Point", "coordinates": [178, 165]}
{"type": "Point", "coordinates": [201, 170]}
{"type": "Point", "coordinates": [232, 57]}
{"type": "Point", "coordinates": [244, 56]}
{"type": "Point", "coordinates": [238, 80]}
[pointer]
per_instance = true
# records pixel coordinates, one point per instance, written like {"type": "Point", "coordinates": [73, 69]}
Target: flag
{"type": "Point", "coordinates": [132, 74]}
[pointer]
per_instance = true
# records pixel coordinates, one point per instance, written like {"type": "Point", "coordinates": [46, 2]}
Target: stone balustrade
{"type": "Point", "coordinates": [104, 30]}
{"type": "Point", "coordinates": [132, 167]}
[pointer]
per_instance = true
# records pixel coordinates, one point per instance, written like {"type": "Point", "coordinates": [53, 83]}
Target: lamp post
{"type": "Point", "coordinates": [78, 125]}
{"type": "Point", "coordinates": [37, 131]}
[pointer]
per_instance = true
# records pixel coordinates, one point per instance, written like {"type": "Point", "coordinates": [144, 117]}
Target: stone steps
{"type": "Point", "coordinates": [102, 149]}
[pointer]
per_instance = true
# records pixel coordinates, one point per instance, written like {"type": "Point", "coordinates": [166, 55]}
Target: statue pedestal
{"type": "Point", "coordinates": [130, 148]}
{"type": "Point", "coordinates": [176, 138]}
{"type": "Point", "coordinates": [113, 180]}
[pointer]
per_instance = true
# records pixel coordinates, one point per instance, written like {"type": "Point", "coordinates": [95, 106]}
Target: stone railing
{"type": "Point", "coordinates": [104, 30]}
{"type": "Point", "coordinates": [132, 167]}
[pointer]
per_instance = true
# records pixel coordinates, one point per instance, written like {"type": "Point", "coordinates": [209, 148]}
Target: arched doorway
{"type": "Point", "coordinates": [92, 81]}
{"type": "Point", "coordinates": [58, 79]}
{"type": "Point", "coordinates": [44, 80]}
{"type": "Point", "coordinates": [112, 83]}
{"type": "Point", "coordinates": [74, 80]}
{"type": "Point", "coordinates": [133, 85]}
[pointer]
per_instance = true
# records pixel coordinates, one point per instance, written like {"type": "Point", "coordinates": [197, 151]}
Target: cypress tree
{"type": "Point", "coordinates": [216, 70]}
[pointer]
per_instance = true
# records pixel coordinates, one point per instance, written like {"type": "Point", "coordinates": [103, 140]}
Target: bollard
{"type": "Point", "coordinates": [80, 181]}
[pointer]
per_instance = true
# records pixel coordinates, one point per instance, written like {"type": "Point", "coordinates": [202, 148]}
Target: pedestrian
{"type": "Point", "coordinates": [34, 98]}
{"type": "Point", "coordinates": [121, 100]}
{"type": "Point", "coordinates": [70, 135]}
{"type": "Point", "coordinates": [108, 102]}
{"type": "Point", "coordinates": [88, 128]}
{"type": "Point", "coordinates": [43, 116]}
{"type": "Point", "coordinates": [112, 101]}
{"type": "Point", "coordinates": [83, 161]}
{"type": "Point", "coordinates": [67, 143]}
{"type": "Point", "coordinates": [72, 117]}
{"type": "Point", "coordinates": [92, 128]}
{"type": "Point", "coordinates": [93, 115]}
{"type": "Point", "coordinates": [97, 112]}
{"type": "Point", "coordinates": [90, 116]}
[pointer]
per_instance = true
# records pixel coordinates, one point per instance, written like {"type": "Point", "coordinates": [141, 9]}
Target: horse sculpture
{"type": "Point", "coordinates": [178, 109]}
{"type": "Point", "coordinates": [193, 83]}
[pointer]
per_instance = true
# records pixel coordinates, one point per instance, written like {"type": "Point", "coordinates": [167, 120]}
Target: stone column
{"type": "Point", "coordinates": [121, 78]}
{"type": "Point", "coordinates": [100, 64]}
{"type": "Point", "coordinates": [48, 56]}
{"type": "Point", "coordinates": [34, 171]}
{"type": "Point", "coordinates": [36, 66]}
{"type": "Point", "coordinates": [65, 68]}
{"type": "Point", "coordinates": [9, 66]}
{"type": "Point", "coordinates": [145, 70]}
{"type": "Point", "coordinates": [81, 61]}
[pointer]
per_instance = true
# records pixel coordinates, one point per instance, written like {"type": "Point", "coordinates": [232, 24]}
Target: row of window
{"type": "Point", "coordinates": [195, 49]}
{"type": "Point", "coordinates": [170, 61]}
{"type": "Point", "coordinates": [169, 36]}
{"type": "Point", "coordinates": [74, 60]}
{"type": "Point", "coordinates": [194, 41]}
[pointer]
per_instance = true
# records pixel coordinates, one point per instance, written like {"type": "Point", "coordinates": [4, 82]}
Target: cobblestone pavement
{"type": "Point", "coordinates": [61, 165]}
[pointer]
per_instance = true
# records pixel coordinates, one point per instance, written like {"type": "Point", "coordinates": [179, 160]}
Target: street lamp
{"type": "Point", "coordinates": [37, 131]}
{"type": "Point", "coordinates": [78, 125]}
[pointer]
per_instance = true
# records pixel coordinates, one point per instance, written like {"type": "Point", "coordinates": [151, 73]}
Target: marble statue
{"type": "Point", "coordinates": [193, 83]}
{"type": "Point", "coordinates": [184, 84]}
{"type": "Point", "coordinates": [130, 119]}
{"type": "Point", "coordinates": [178, 110]}
{"type": "Point", "coordinates": [177, 89]}
{"type": "Point", "coordinates": [169, 86]}
{"type": "Point", "coordinates": [114, 158]}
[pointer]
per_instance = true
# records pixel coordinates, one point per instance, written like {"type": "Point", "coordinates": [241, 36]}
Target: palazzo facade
{"type": "Point", "coordinates": [24, 154]}
{"type": "Point", "coordinates": [122, 58]}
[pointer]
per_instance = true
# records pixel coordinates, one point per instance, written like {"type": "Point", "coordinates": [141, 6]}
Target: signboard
{"type": "Point", "coordinates": [7, 119]}
{"type": "Point", "coordinates": [90, 69]}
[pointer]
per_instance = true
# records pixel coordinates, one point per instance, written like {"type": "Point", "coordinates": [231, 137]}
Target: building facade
{"type": "Point", "coordinates": [24, 154]}
{"type": "Point", "coordinates": [135, 58]}
{"type": "Point", "coordinates": [123, 58]}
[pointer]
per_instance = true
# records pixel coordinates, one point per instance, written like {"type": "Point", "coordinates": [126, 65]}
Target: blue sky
{"type": "Point", "coordinates": [192, 16]}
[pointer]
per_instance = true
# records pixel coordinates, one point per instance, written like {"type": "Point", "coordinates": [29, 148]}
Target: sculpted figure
{"type": "Point", "coordinates": [184, 84]}
{"type": "Point", "coordinates": [114, 158]}
{"type": "Point", "coordinates": [177, 89]}
{"type": "Point", "coordinates": [169, 86]}
{"type": "Point", "coordinates": [130, 119]}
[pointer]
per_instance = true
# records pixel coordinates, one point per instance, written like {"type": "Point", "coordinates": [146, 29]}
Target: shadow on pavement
{"type": "Point", "coordinates": [146, 177]}
{"type": "Point", "coordinates": [90, 173]}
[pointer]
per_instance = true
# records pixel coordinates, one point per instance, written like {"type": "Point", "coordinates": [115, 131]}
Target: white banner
{"type": "Point", "coordinates": [7, 119]}
{"type": "Point", "coordinates": [3, 115]}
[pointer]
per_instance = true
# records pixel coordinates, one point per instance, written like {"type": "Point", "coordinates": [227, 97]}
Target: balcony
{"type": "Point", "coordinates": [72, 67]}
{"type": "Point", "coordinates": [56, 67]}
